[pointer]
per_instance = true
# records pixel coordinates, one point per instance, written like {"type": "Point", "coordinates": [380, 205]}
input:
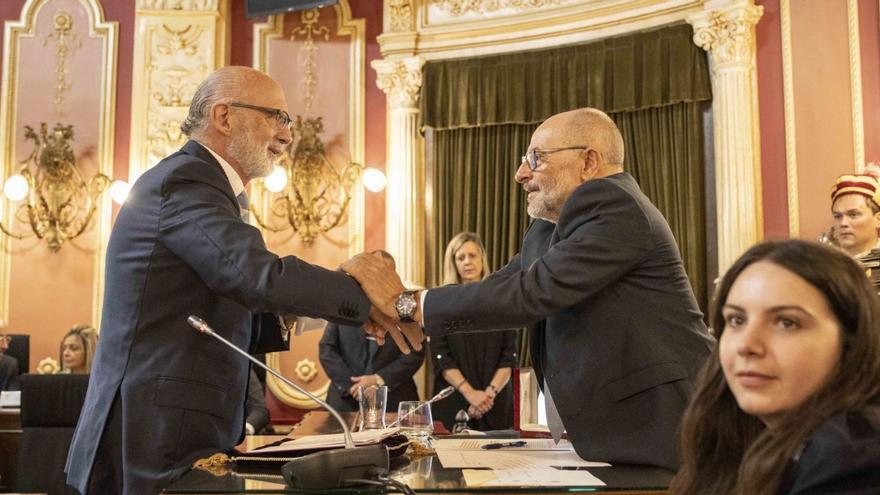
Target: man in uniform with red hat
{"type": "Point", "coordinates": [855, 205]}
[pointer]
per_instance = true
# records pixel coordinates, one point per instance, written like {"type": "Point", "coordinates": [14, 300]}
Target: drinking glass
{"type": "Point", "coordinates": [372, 402]}
{"type": "Point", "coordinates": [415, 420]}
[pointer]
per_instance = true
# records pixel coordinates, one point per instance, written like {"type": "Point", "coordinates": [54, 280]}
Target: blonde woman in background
{"type": "Point", "coordinates": [78, 349]}
{"type": "Point", "coordinates": [477, 364]}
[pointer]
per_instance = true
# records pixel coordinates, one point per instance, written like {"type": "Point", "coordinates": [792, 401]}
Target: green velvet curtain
{"type": "Point", "coordinates": [655, 84]}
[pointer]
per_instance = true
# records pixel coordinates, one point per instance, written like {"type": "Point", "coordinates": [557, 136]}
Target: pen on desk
{"type": "Point", "coordinates": [518, 443]}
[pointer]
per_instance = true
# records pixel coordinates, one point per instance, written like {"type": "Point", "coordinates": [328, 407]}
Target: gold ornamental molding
{"type": "Point", "coordinates": [791, 162]}
{"type": "Point", "coordinates": [461, 7]}
{"type": "Point", "coordinates": [855, 72]}
{"type": "Point", "coordinates": [66, 42]}
{"type": "Point", "coordinates": [400, 80]}
{"type": "Point", "coordinates": [185, 5]}
{"type": "Point", "coordinates": [306, 370]}
{"type": "Point", "coordinates": [729, 36]}
{"type": "Point", "coordinates": [10, 121]}
{"type": "Point", "coordinates": [399, 16]}
{"type": "Point", "coordinates": [309, 30]}
{"type": "Point", "coordinates": [288, 394]}
{"type": "Point", "coordinates": [179, 43]}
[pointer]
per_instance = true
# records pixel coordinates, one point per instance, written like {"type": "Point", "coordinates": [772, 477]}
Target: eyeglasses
{"type": "Point", "coordinates": [535, 156]}
{"type": "Point", "coordinates": [282, 118]}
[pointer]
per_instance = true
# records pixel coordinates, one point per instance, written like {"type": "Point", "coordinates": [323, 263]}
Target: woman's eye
{"type": "Point", "coordinates": [788, 323]}
{"type": "Point", "coordinates": [734, 320]}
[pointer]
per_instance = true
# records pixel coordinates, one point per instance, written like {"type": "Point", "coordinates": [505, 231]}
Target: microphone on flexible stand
{"type": "Point", "coordinates": [328, 468]}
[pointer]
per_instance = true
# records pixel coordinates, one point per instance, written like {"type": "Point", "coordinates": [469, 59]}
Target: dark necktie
{"type": "Point", "coordinates": [372, 347]}
{"type": "Point", "coordinates": [243, 204]}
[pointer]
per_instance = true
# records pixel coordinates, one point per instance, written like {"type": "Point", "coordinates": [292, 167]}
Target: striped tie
{"type": "Point", "coordinates": [243, 204]}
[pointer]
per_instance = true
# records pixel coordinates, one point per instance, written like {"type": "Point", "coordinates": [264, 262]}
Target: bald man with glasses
{"type": "Point", "coordinates": [617, 337]}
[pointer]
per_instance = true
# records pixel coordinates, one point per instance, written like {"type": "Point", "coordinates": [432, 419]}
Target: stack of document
{"type": "Point", "coordinates": [525, 462]}
{"type": "Point", "coordinates": [319, 442]}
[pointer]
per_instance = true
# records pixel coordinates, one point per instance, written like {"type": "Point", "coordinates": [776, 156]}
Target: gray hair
{"type": "Point", "coordinates": [223, 84]}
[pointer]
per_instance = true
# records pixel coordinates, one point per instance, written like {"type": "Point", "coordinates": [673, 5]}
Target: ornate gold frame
{"type": "Point", "coordinates": [356, 29]}
{"type": "Point", "coordinates": [855, 72]}
{"type": "Point", "coordinates": [98, 28]}
{"type": "Point", "coordinates": [791, 164]}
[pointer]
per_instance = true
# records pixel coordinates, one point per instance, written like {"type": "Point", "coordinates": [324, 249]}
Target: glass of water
{"type": "Point", "coordinates": [415, 420]}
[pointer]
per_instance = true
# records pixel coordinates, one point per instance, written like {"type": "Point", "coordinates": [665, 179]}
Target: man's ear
{"type": "Point", "coordinates": [220, 118]}
{"type": "Point", "coordinates": [590, 164]}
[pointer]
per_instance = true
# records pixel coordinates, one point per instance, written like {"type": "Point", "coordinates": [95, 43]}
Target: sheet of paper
{"type": "Point", "coordinates": [505, 459]}
{"type": "Point", "coordinates": [477, 444]}
{"type": "Point", "coordinates": [327, 441]}
{"type": "Point", "coordinates": [530, 477]}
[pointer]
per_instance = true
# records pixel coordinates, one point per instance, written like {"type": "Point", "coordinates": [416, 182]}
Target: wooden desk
{"type": "Point", "coordinates": [10, 442]}
{"type": "Point", "coordinates": [424, 475]}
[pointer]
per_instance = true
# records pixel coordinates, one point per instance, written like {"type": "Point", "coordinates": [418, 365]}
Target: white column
{"type": "Point", "coordinates": [401, 81]}
{"type": "Point", "coordinates": [726, 30]}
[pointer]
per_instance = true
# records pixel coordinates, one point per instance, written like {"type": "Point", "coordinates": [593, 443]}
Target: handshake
{"type": "Point", "coordinates": [383, 287]}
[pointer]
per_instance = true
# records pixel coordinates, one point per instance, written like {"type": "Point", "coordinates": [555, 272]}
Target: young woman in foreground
{"type": "Point", "coordinates": [789, 402]}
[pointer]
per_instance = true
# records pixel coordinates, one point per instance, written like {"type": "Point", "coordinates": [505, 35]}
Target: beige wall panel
{"type": "Point", "coordinates": [822, 99]}
{"type": "Point", "coordinates": [331, 87]}
{"type": "Point", "coordinates": [46, 292]}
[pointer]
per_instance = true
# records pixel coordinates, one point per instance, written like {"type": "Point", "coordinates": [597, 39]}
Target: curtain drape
{"type": "Point", "coordinates": [482, 111]}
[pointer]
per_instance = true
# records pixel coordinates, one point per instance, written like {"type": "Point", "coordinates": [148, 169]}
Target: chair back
{"type": "Point", "coordinates": [50, 407]}
{"type": "Point", "coordinates": [20, 349]}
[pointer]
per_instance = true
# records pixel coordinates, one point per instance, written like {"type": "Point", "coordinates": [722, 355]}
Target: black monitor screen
{"type": "Point", "coordinates": [257, 8]}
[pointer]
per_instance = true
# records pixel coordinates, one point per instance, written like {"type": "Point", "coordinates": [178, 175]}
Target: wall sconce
{"type": "Point", "coordinates": [307, 192]}
{"type": "Point", "coordinates": [60, 203]}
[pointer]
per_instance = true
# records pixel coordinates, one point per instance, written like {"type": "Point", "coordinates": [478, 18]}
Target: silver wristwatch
{"type": "Point", "coordinates": [406, 306]}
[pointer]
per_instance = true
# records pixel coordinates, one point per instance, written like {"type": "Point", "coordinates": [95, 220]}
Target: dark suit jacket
{"type": "Point", "coordinates": [619, 336]}
{"type": "Point", "coordinates": [8, 373]}
{"type": "Point", "coordinates": [343, 354]}
{"type": "Point", "coordinates": [255, 411]}
{"type": "Point", "coordinates": [179, 247]}
{"type": "Point", "coordinates": [842, 457]}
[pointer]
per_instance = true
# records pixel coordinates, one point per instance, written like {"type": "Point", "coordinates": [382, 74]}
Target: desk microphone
{"type": "Point", "coordinates": [328, 468]}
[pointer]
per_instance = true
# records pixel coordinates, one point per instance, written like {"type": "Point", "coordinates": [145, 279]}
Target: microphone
{"type": "Point", "coordinates": [328, 468]}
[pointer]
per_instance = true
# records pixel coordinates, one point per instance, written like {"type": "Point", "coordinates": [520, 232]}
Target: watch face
{"type": "Point", "coordinates": [406, 305]}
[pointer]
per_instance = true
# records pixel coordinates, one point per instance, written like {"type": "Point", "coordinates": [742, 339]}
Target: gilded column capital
{"type": "Point", "coordinates": [727, 33]}
{"type": "Point", "coordinates": [400, 80]}
{"type": "Point", "coordinates": [187, 5]}
{"type": "Point", "coordinates": [400, 16]}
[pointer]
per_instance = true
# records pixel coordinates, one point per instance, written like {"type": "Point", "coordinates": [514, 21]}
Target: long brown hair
{"type": "Point", "coordinates": [725, 450]}
{"type": "Point", "coordinates": [450, 272]}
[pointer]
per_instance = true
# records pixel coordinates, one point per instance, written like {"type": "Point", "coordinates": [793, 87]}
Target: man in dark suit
{"type": "Point", "coordinates": [352, 359]}
{"type": "Point", "coordinates": [162, 395]}
{"type": "Point", "coordinates": [618, 337]}
{"type": "Point", "coordinates": [256, 414]}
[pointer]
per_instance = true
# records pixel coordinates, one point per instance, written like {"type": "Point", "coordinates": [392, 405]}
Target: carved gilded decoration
{"type": "Point", "coordinates": [65, 42]}
{"type": "Point", "coordinates": [728, 36]}
{"type": "Point", "coordinates": [185, 5]}
{"type": "Point", "coordinates": [104, 76]}
{"type": "Point", "coordinates": [399, 16]}
{"type": "Point", "coordinates": [310, 29]}
{"type": "Point", "coordinates": [179, 44]}
{"type": "Point", "coordinates": [401, 81]}
{"type": "Point", "coordinates": [306, 370]}
{"type": "Point", "coordinates": [461, 7]}
{"type": "Point", "coordinates": [855, 71]}
{"type": "Point", "coordinates": [791, 161]}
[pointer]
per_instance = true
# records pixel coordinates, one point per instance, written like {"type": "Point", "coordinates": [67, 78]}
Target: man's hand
{"type": "Point", "coordinates": [359, 381]}
{"type": "Point", "coordinates": [380, 325]}
{"type": "Point", "coordinates": [378, 279]}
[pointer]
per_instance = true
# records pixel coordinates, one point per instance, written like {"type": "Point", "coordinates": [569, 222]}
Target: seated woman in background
{"type": "Point", "coordinates": [477, 364]}
{"type": "Point", "coordinates": [78, 349]}
{"type": "Point", "coordinates": [789, 402]}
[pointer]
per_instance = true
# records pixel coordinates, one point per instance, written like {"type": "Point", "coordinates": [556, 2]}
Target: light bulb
{"type": "Point", "coordinates": [119, 191]}
{"type": "Point", "coordinates": [277, 180]}
{"type": "Point", "coordinates": [16, 188]}
{"type": "Point", "coordinates": [374, 179]}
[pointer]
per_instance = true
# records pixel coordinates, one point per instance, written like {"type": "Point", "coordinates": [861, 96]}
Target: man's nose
{"type": "Point", "coordinates": [523, 173]}
{"type": "Point", "coordinates": [284, 135]}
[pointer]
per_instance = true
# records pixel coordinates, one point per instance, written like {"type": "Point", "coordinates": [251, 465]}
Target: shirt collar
{"type": "Point", "coordinates": [231, 174]}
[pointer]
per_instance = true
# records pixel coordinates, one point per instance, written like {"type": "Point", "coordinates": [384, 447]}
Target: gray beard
{"type": "Point", "coordinates": [248, 154]}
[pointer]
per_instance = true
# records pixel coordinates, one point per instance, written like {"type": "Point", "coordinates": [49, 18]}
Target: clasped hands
{"type": "Point", "coordinates": [383, 286]}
